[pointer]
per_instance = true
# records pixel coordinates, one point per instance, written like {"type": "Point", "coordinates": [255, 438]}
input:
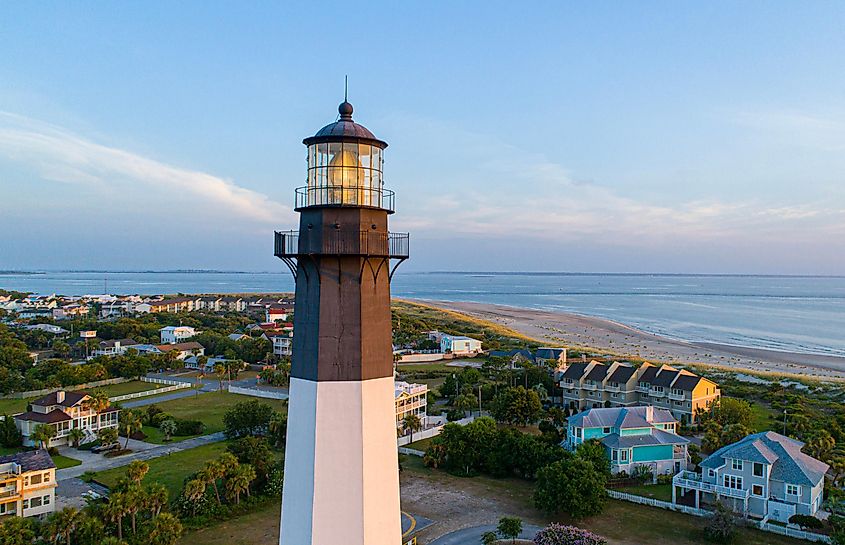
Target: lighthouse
{"type": "Point", "coordinates": [341, 468]}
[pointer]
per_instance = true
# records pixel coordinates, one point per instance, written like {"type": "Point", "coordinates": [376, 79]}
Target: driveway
{"type": "Point", "coordinates": [472, 536]}
{"type": "Point", "coordinates": [97, 462]}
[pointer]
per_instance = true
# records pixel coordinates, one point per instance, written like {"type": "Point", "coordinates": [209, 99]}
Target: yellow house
{"type": "Point", "coordinates": [27, 484]}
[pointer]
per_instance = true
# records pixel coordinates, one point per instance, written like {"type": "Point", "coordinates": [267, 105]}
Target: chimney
{"type": "Point", "coordinates": [649, 413]}
{"type": "Point", "coordinates": [60, 396]}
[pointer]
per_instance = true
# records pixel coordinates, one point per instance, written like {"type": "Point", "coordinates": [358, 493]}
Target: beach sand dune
{"type": "Point", "coordinates": [560, 328]}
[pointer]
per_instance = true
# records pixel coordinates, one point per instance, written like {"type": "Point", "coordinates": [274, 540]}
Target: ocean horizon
{"type": "Point", "coordinates": [794, 313]}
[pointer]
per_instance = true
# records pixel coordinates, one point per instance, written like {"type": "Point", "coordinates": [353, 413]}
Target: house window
{"type": "Point", "coordinates": [758, 469]}
{"type": "Point", "coordinates": [757, 490]}
{"type": "Point", "coordinates": [793, 490]}
{"type": "Point", "coordinates": [35, 502]}
{"type": "Point", "coordinates": [732, 481]}
{"type": "Point", "coordinates": [46, 500]}
{"type": "Point", "coordinates": [614, 455]}
{"type": "Point", "coordinates": [605, 430]}
{"type": "Point", "coordinates": [623, 455]}
{"type": "Point", "coordinates": [25, 504]}
{"type": "Point", "coordinates": [35, 479]}
{"type": "Point", "coordinates": [736, 465]}
{"type": "Point", "coordinates": [711, 473]}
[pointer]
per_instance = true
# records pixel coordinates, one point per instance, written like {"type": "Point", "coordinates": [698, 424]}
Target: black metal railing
{"type": "Point", "coordinates": [344, 195]}
{"type": "Point", "coordinates": [336, 242]}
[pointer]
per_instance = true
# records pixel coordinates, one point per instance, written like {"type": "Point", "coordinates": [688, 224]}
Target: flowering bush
{"type": "Point", "coordinates": [558, 534]}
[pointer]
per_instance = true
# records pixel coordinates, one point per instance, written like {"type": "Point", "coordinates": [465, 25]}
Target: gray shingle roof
{"type": "Point", "coordinates": [648, 375]}
{"type": "Point", "coordinates": [655, 437]}
{"type": "Point", "coordinates": [597, 373]}
{"type": "Point", "coordinates": [622, 374]}
{"type": "Point", "coordinates": [625, 417]}
{"type": "Point", "coordinates": [687, 382]}
{"type": "Point", "coordinates": [789, 464]}
{"type": "Point", "coordinates": [575, 371]}
{"type": "Point", "coordinates": [664, 378]}
{"type": "Point", "coordinates": [33, 460]}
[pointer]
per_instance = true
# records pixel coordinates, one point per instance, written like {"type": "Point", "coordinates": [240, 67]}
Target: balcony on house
{"type": "Point", "coordinates": [611, 387]}
{"type": "Point", "coordinates": [692, 481]}
{"type": "Point", "coordinates": [334, 242]}
{"type": "Point", "coordinates": [643, 388]}
{"type": "Point", "coordinates": [675, 396]}
{"type": "Point", "coordinates": [655, 392]}
{"type": "Point", "coordinates": [589, 385]}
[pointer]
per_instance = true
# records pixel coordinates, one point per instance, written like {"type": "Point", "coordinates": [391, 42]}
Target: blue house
{"type": "Point", "coordinates": [632, 436]}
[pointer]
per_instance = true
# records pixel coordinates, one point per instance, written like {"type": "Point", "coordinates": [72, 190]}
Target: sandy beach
{"type": "Point", "coordinates": [559, 328]}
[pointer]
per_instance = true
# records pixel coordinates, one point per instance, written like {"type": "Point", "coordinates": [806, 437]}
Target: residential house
{"type": "Point", "coordinates": [47, 328]}
{"type": "Point", "coordinates": [276, 313]}
{"type": "Point", "coordinates": [183, 350]}
{"type": "Point", "coordinates": [27, 484]}
{"type": "Point", "coordinates": [29, 313]}
{"type": "Point", "coordinates": [619, 384]}
{"type": "Point", "coordinates": [193, 362]}
{"type": "Point", "coordinates": [632, 436]}
{"type": "Point", "coordinates": [176, 304]}
{"type": "Point", "coordinates": [64, 411]}
{"type": "Point", "coordinates": [764, 475]}
{"type": "Point", "coordinates": [176, 334]}
{"type": "Point", "coordinates": [71, 311]}
{"type": "Point", "coordinates": [237, 336]}
{"type": "Point", "coordinates": [459, 345]}
{"type": "Point", "coordinates": [210, 303]}
{"type": "Point", "coordinates": [116, 347]}
{"type": "Point", "coordinates": [232, 304]}
{"type": "Point", "coordinates": [410, 399]}
{"type": "Point", "coordinates": [282, 340]}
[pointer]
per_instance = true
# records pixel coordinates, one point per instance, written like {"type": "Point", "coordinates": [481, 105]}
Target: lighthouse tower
{"type": "Point", "coordinates": [341, 468]}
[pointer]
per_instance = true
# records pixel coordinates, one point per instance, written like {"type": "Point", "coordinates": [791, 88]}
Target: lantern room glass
{"type": "Point", "coordinates": [344, 173]}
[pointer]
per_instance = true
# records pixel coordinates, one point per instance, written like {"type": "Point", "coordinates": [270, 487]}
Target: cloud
{"type": "Point", "coordinates": [60, 155]}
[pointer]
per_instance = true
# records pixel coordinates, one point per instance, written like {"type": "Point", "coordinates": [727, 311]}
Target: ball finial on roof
{"type": "Point", "coordinates": [345, 110]}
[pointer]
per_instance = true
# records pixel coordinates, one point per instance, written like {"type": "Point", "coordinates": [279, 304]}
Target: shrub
{"type": "Point", "coordinates": [454, 415]}
{"type": "Point", "coordinates": [248, 418]}
{"type": "Point", "coordinates": [189, 427]}
{"type": "Point", "coordinates": [806, 522]}
{"type": "Point", "coordinates": [721, 525]}
{"type": "Point", "coordinates": [558, 534]}
{"type": "Point", "coordinates": [158, 418]}
{"type": "Point", "coordinates": [53, 451]}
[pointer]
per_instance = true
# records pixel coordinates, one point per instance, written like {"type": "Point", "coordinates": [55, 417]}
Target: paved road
{"type": "Point", "coordinates": [472, 536]}
{"type": "Point", "coordinates": [101, 463]}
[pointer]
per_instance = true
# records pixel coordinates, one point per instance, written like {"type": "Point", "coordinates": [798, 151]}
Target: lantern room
{"type": "Point", "coordinates": [345, 167]}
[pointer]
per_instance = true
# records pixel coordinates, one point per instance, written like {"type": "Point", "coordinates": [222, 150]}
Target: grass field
{"type": "Point", "coordinates": [208, 408]}
{"type": "Point", "coordinates": [762, 414]}
{"type": "Point", "coordinates": [661, 492]}
{"type": "Point", "coordinates": [169, 470]}
{"type": "Point", "coordinates": [422, 444]}
{"type": "Point", "coordinates": [63, 461]}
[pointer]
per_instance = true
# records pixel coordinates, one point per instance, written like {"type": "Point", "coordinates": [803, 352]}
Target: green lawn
{"type": "Point", "coordinates": [63, 461]}
{"type": "Point", "coordinates": [761, 414]}
{"type": "Point", "coordinates": [209, 408]}
{"type": "Point", "coordinates": [5, 450]}
{"type": "Point", "coordinates": [12, 406]}
{"type": "Point", "coordinates": [422, 444]}
{"type": "Point", "coordinates": [169, 470]}
{"type": "Point", "coordinates": [661, 492]}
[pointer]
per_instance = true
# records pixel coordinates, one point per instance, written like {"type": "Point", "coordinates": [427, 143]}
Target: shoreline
{"type": "Point", "coordinates": [601, 334]}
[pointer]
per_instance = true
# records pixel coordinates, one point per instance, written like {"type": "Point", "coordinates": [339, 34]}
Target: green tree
{"type": "Point", "coordinates": [277, 429]}
{"type": "Point", "coordinates": [90, 531]}
{"type": "Point", "coordinates": [510, 528]}
{"type": "Point", "coordinates": [17, 531]}
{"type": "Point", "coordinates": [168, 428]}
{"type": "Point", "coordinates": [43, 434]}
{"type": "Point", "coordinates": [62, 524]}
{"type": "Point", "coordinates": [489, 538]}
{"type": "Point", "coordinates": [129, 423]}
{"type": "Point", "coordinates": [157, 496]}
{"type": "Point", "coordinates": [729, 410]}
{"type": "Point", "coordinates": [98, 401]}
{"type": "Point", "coordinates": [166, 530]}
{"type": "Point", "coordinates": [465, 402]}
{"type": "Point", "coordinates": [594, 452]}
{"type": "Point", "coordinates": [136, 500]}
{"type": "Point", "coordinates": [410, 424]}
{"type": "Point", "coordinates": [721, 525]}
{"type": "Point", "coordinates": [115, 510]}
{"type": "Point", "coordinates": [107, 436]}
{"type": "Point", "coordinates": [75, 435]}
{"type": "Point", "coordinates": [517, 406]}
{"type": "Point", "coordinates": [137, 470]}
{"type": "Point", "coordinates": [194, 491]}
{"type": "Point", "coordinates": [210, 473]}
{"type": "Point", "coordinates": [571, 486]}
{"type": "Point", "coordinates": [238, 481]}
{"type": "Point", "coordinates": [820, 445]}
{"type": "Point", "coordinates": [247, 418]}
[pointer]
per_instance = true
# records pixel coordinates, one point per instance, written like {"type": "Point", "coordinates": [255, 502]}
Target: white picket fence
{"type": "Point", "coordinates": [255, 392]}
{"type": "Point", "coordinates": [153, 392]}
{"type": "Point", "coordinates": [773, 528]}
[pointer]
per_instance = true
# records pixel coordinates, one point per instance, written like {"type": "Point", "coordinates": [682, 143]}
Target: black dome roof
{"type": "Point", "coordinates": [345, 130]}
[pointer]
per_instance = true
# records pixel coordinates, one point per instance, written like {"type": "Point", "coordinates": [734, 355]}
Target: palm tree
{"type": "Point", "coordinates": [136, 471]}
{"type": "Point", "coordinates": [228, 461]}
{"type": "Point", "coordinates": [107, 436]}
{"type": "Point", "coordinates": [821, 445]}
{"type": "Point", "coordinates": [43, 434]}
{"type": "Point", "coordinates": [194, 491]}
{"type": "Point", "coordinates": [76, 435]}
{"type": "Point", "coordinates": [212, 471]}
{"type": "Point", "coordinates": [98, 401]}
{"type": "Point", "coordinates": [63, 524]}
{"type": "Point", "coordinates": [115, 510]}
{"type": "Point", "coordinates": [411, 423]}
{"type": "Point", "coordinates": [220, 370]}
{"type": "Point", "coordinates": [278, 427]}
{"type": "Point", "coordinates": [239, 480]}
{"type": "Point", "coordinates": [156, 498]}
{"type": "Point", "coordinates": [136, 499]}
{"type": "Point", "coordinates": [166, 530]}
{"type": "Point", "coordinates": [168, 428]}
{"type": "Point", "coordinates": [129, 424]}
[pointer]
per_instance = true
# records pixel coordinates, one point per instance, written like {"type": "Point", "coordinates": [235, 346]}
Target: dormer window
{"type": "Point", "coordinates": [736, 465]}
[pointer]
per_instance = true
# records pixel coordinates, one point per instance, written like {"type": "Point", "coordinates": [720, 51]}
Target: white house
{"type": "Point", "coordinates": [176, 334]}
{"type": "Point", "coordinates": [458, 344]}
{"type": "Point", "coordinates": [47, 328]}
{"type": "Point", "coordinates": [275, 313]}
{"type": "Point", "coordinates": [282, 341]}
{"type": "Point", "coordinates": [764, 475]}
{"type": "Point", "coordinates": [64, 411]}
{"type": "Point", "coordinates": [409, 399]}
{"type": "Point", "coordinates": [27, 484]}
{"type": "Point", "coordinates": [116, 347]}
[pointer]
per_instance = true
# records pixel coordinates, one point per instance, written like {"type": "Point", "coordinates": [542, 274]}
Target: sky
{"type": "Point", "coordinates": [667, 136]}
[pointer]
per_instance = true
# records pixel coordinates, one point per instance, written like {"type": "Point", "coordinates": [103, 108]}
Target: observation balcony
{"type": "Point", "coordinates": [677, 397]}
{"type": "Point", "coordinates": [289, 244]}
{"type": "Point", "coordinates": [346, 195]}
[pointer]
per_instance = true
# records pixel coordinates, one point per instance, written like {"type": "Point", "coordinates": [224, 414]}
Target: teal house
{"type": "Point", "coordinates": [632, 436]}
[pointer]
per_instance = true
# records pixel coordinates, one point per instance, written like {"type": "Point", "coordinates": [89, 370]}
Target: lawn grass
{"type": "Point", "coordinates": [761, 417]}
{"type": "Point", "coordinates": [661, 492]}
{"type": "Point", "coordinates": [13, 406]}
{"type": "Point", "coordinates": [209, 408]}
{"type": "Point", "coordinates": [169, 470]}
{"type": "Point", "coordinates": [10, 450]}
{"type": "Point", "coordinates": [422, 444]}
{"type": "Point", "coordinates": [63, 462]}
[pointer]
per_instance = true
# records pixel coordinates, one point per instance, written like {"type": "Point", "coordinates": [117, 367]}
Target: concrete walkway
{"type": "Point", "coordinates": [98, 462]}
{"type": "Point", "coordinates": [472, 536]}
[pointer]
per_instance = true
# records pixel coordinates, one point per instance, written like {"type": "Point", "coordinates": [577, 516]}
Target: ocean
{"type": "Point", "coordinates": [790, 313]}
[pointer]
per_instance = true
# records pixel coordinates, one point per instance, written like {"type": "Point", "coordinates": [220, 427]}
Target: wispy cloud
{"type": "Point", "coordinates": [60, 155]}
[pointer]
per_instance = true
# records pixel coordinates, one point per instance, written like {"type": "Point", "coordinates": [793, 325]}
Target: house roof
{"type": "Point", "coordinates": [687, 382]}
{"type": "Point", "coordinates": [54, 416]}
{"type": "Point", "coordinates": [789, 464]}
{"type": "Point", "coordinates": [598, 372]}
{"type": "Point", "coordinates": [33, 460]}
{"type": "Point", "coordinates": [236, 336]}
{"type": "Point", "coordinates": [123, 342]}
{"type": "Point", "coordinates": [182, 347]}
{"type": "Point", "coordinates": [172, 301]}
{"type": "Point", "coordinates": [71, 399]}
{"type": "Point", "coordinates": [548, 353]}
{"type": "Point", "coordinates": [654, 437]}
{"type": "Point", "coordinates": [648, 375]}
{"type": "Point", "coordinates": [664, 377]}
{"type": "Point", "coordinates": [622, 374]}
{"type": "Point", "coordinates": [621, 417]}
{"type": "Point", "coordinates": [575, 371]}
